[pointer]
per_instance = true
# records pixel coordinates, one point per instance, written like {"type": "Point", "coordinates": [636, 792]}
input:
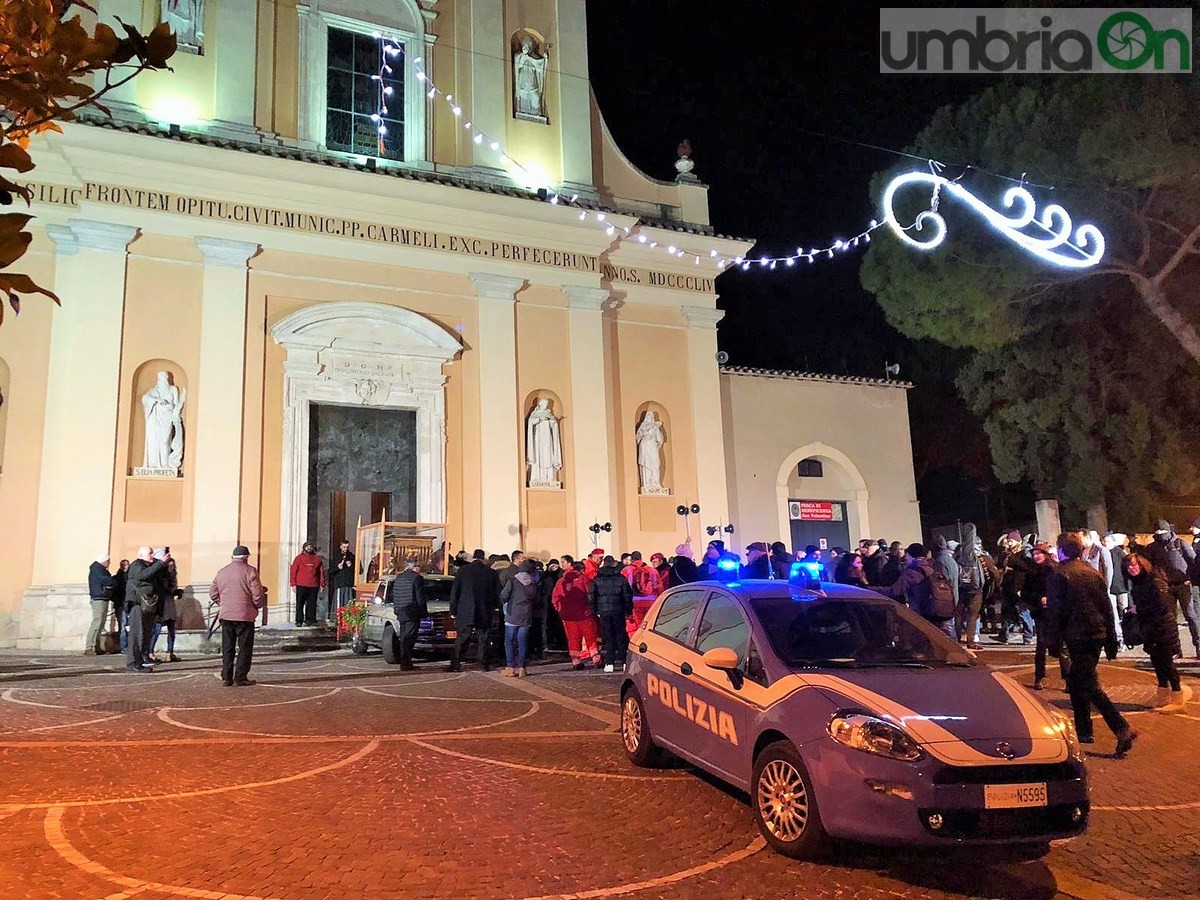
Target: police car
{"type": "Point", "coordinates": [845, 715]}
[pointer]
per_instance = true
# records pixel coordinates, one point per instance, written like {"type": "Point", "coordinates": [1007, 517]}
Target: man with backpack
{"type": "Point", "coordinates": [926, 590]}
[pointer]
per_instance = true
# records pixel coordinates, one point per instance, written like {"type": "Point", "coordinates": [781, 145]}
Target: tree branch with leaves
{"type": "Point", "coordinates": [48, 71]}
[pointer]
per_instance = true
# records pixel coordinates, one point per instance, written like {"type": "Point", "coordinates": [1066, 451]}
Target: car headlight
{"type": "Point", "coordinates": [1064, 726]}
{"type": "Point", "coordinates": [873, 735]}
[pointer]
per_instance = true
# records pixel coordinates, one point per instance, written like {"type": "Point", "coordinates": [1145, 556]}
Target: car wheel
{"type": "Point", "coordinates": [635, 732]}
{"type": "Point", "coordinates": [391, 646]}
{"type": "Point", "coordinates": [784, 806]}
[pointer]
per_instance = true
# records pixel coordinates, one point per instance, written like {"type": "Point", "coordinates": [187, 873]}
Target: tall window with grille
{"type": "Point", "coordinates": [364, 102]}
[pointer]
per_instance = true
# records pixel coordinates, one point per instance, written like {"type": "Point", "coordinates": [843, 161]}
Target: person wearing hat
{"type": "Point", "coordinates": [591, 565]}
{"type": "Point", "coordinates": [240, 594]}
{"type": "Point", "coordinates": [758, 563]}
{"type": "Point", "coordinates": [683, 567]}
{"type": "Point", "coordinates": [100, 589]}
{"type": "Point", "coordinates": [712, 553]}
{"type": "Point", "coordinates": [307, 578]}
{"type": "Point", "coordinates": [659, 562]}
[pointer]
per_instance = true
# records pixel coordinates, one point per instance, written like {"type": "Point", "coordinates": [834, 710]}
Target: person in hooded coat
{"type": "Point", "coordinates": [518, 597]}
{"type": "Point", "coordinates": [781, 561]}
{"type": "Point", "coordinates": [1151, 595]}
{"type": "Point", "coordinates": [943, 561]}
{"type": "Point", "coordinates": [970, 586]}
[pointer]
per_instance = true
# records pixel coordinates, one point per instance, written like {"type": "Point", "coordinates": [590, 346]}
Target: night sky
{"type": "Point", "coordinates": [749, 83]}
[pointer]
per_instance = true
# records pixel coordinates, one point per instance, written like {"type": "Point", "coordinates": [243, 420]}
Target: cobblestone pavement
{"type": "Point", "coordinates": [339, 776]}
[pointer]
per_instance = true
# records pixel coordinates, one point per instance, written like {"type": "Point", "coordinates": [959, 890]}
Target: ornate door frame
{"type": "Point", "coordinates": [356, 354]}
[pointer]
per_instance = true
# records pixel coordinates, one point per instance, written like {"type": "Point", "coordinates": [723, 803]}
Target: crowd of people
{"type": "Point", "coordinates": [142, 595]}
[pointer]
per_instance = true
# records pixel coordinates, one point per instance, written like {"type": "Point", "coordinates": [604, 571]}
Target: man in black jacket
{"type": "Point", "coordinates": [406, 593]}
{"type": "Point", "coordinates": [100, 590]}
{"type": "Point", "coordinates": [342, 570]}
{"type": "Point", "coordinates": [1177, 560]}
{"type": "Point", "coordinates": [474, 599]}
{"type": "Point", "coordinates": [1079, 616]}
{"type": "Point", "coordinates": [141, 581]}
{"type": "Point", "coordinates": [612, 598]}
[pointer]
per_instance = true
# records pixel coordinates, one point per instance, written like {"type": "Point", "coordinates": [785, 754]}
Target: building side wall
{"type": "Point", "coordinates": [769, 419]}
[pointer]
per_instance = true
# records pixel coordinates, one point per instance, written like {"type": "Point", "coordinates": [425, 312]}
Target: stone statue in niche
{"type": "Point", "coordinates": [186, 18]}
{"type": "Point", "coordinates": [650, 439]}
{"type": "Point", "coordinates": [163, 408]}
{"type": "Point", "coordinates": [529, 82]}
{"type": "Point", "coordinates": [543, 447]}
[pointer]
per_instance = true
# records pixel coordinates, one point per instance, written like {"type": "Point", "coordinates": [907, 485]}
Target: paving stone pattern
{"type": "Point", "coordinates": [339, 776]}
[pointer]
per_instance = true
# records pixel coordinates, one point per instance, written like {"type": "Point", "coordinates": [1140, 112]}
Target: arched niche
{"type": "Point", "coordinates": [556, 407]}
{"type": "Point", "coordinates": [668, 466]}
{"type": "Point", "coordinates": [144, 378]}
{"type": "Point", "coordinates": [5, 380]}
{"type": "Point", "coordinates": [538, 50]}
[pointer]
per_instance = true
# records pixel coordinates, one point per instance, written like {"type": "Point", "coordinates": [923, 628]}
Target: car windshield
{"type": "Point", "coordinates": [809, 631]}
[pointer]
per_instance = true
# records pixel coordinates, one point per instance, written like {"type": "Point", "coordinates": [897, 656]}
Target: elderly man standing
{"type": "Point", "coordinates": [100, 589]}
{"type": "Point", "coordinates": [239, 592]}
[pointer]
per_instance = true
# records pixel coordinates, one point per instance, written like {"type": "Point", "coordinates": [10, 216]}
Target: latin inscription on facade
{"type": "Point", "coordinates": [361, 230]}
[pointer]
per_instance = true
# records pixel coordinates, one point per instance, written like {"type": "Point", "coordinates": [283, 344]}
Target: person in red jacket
{"type": "Point", "coordinates": [307, 577]}
{"type": "Point", "coordinates": [643, 579]}
{"type": "Point", "coordinates": [570, 601]}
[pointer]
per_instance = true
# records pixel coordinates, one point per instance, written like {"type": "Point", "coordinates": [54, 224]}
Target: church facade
{"type": "Point", "coordinates": [298, 293]}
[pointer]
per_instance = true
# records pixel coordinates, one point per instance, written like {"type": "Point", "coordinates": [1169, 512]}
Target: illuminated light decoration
{"type": "Point", "coordinates": [1081, 250]}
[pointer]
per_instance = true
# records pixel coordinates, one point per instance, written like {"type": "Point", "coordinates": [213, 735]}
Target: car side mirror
{"type": "Point", "coordinates": [727, 661]}
{"type": "Point", "coordinates": [721, 658]}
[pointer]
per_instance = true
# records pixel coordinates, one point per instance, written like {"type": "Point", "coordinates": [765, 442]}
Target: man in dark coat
{"type": "Point", "coordinates": [100, 590]}
{"type": "Point", "coordinates": [406, 593]}
{"type": "Point", "coordinates": [874, 559]}
{"type": "Point", "coordinates": [474, 599]}
{"type": "Point", "coordinates": [612, 598]}
{"type": "Point", "coordinates": [1079, 617]}
{"type": "Point", "coordinates": [1177, 560]}
{"type": "Point", "coordinates": [342, 576]}
{"type": "Point", "coordinates": [141, 580]}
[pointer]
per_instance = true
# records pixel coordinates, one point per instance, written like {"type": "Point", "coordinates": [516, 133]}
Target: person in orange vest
{"type": "Point", "coordinates": [307, 577]}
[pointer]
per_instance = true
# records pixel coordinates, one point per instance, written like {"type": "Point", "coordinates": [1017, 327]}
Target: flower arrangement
{"type": "Point", "coordinates": [351, 619]}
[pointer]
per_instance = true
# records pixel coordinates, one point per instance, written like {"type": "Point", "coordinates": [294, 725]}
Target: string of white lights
{"type": "Point", "coordinates": [604, 220]}
{"type": "Point", "coordinates": [390, 48]}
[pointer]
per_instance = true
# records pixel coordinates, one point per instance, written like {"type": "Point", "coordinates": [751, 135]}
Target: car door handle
{"type": "Point", "coordinates": [685, 668]}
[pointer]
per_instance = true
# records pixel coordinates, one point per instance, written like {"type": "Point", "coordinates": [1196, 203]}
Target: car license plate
{"type": "Point", "coordinates": [451, 634]}
{"type": "Point", "coordinates": [1013, 796]}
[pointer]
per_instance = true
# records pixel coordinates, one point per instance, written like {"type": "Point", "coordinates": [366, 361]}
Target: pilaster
{"type": "Point", "coordinates": [704, 379]}
{"type": "Point", "coordinates": [489, 59]}
{"type": "Point", "coordinates": [216, 441]}
{"type": "Point", "coordinates": [235, 57]}
{"type": "Point", "coordinates": [75, 494]}
{"type": "Point", "coordinates": [501, 472]}
{"type": "Point", "coordinates": [593, 425]}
